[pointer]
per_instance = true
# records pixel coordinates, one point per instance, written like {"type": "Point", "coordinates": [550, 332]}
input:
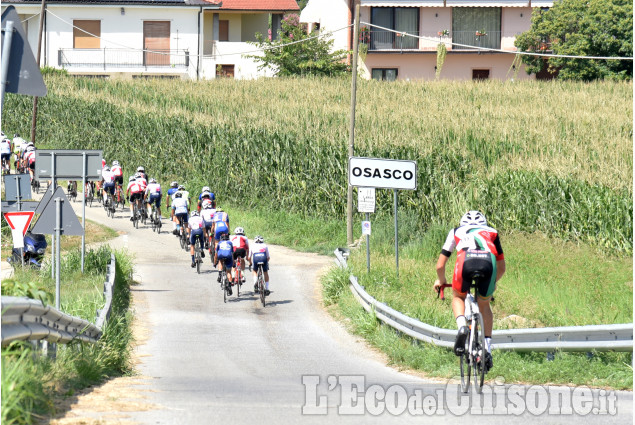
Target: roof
{"type": "Point", "coordinates": [259, 5]}
{"type": "Point", "coordinates": [123, 2]}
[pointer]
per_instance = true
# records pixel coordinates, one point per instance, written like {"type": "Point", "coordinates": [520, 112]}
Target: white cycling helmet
{"type": "Point", "coordinates": [181, 187]}
{"type": "Point", "coordinates": [206, 189]}
{"type": "Point", "coordinates": [153, 180]}
{"type": "Point", "coordinates": [174, 184]}
{"type": "Point", "coordinates": [219, 209]}
{"type": "Point", "coordinates": [106, 168]}
{"type": "Point", "coordinates": [115, 163]}
{"type": "Point", "coordinates": [473, 218]}
{"type": "Point", "coordinates": [239, 231]}
{"type": "Point", "coordinates": [131, 179]}
{"type": "Point", "coordinates": [259, 239]}
{"type": "Point", "coordinates": [141, 169]}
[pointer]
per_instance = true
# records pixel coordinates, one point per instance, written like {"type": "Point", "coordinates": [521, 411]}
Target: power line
{"type": "Point", "coordinates": [500, 50]}
{"type": "Point", "coordinates": [323, 34]}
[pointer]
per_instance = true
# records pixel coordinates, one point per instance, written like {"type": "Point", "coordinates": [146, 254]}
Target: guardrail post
{"type": "Point", "coordinates": [550, 356]}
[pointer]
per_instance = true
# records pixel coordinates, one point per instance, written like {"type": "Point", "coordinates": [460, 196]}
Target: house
{"type": "Point", "coordinates": [195, 39]}
{"type": "Point", "coordinates": [469, 24]}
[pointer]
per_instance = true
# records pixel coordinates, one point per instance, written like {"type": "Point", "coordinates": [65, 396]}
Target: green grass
{"type": "Point", "coordinates": [31, 382]}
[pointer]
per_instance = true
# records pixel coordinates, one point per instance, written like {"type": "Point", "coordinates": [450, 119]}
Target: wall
{"type": "Point", "coordinates": [333, 15]}
{"type": "Point", "coordinates": [512, 24]}
{"type": "Point", "coordinates": [253, 23]}
{"type": "Point", "coordinates": [430, 25]}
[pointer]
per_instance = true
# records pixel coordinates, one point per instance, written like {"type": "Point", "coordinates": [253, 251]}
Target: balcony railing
{"type": "Point", "coordinates": [386, 40]}
{"type": "Point", "coordinates": [122, 58]}
{"type": "Point", "coordinates": [491, 40]}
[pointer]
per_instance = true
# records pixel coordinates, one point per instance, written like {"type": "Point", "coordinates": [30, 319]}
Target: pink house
{"type": "Point", "coordinates": [401, 36]}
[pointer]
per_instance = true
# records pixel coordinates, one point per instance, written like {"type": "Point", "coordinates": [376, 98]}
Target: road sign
{"type": "Point", "coordinates": [24, 206]}
{"type": "Point", "coordinates": [44, 201]}
{"type": "Point", "coordinates": [23, 76]}
{"type": "Point", "coordinates": [366, 199]}
{"type": "Point", "coordinates": [69, 224]}
{"type": "Point", "coordinates": [365, 227]}
{"type": "Point", "coordinates": [68, 164]}
{"type": "Point", "coordinates": [19, 222]}
{"type": "Point", "coordinates": [382, 173]}
{"type": "Point", "coordinates": [11, 187]}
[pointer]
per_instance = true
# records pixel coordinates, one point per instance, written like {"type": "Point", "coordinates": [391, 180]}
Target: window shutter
{"type": "Point", "coordinates": [81, 40]}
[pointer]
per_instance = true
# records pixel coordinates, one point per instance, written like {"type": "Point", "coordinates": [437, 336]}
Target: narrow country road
{"type": "Point", "coordinates": [202, 361]}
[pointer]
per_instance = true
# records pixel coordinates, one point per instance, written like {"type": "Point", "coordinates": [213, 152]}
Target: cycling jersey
{"type": "Point", "coordinates": [220, 227]}
{"type": "Point", "coordinates": [142, 182]}
{"type": "Point", "coordinates": [108, 176]}
{"type": "Point", "coordinates": [196, 223]}
{"type": "Point", "coordinates": [172, 191]}
{"type": "Point", "coordinates": [29, 156]}
{"type": "Point", "coordinates": [117, 171]}
{"type": "Point", "coordinates": [153, 189]}
{"type": "Point", "coordinates": [134, 188]}
{"type": "Point", "coordinates": [259, 255]}
{"type": "Point", "coordinates": [5, 147]}
{"type": "Point", "coordinates": [239, 241]}
{"type": "Point", "coordinates": [208, 216]}
{"type": "Point", "coordinates": [225, 249]}
{"type": "Point", "coordinates": [17, 144]}
{"type": "Point", "coordinates": [478, 250]}
{"type": "Point", "coordinates": [221, 216]}
{"type": "Point", "coordinates": [179, 205]}
{"type": "Point", "coordinates": [209, 195]}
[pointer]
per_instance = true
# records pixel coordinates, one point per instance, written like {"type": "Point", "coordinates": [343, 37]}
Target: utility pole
{"type": "Point", "coordinates": [37, 59]}
{"type": "Point", "coordinates": [351, 144]}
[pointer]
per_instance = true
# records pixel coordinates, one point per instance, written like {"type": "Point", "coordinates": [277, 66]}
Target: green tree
{"type": "Point", "coordinates": [311, 56]}
{"type": "Point", "coordinates": [581, 28]}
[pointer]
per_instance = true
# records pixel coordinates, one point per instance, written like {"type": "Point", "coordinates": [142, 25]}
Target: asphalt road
{"type": "Point", "coordinates": [202, 361]}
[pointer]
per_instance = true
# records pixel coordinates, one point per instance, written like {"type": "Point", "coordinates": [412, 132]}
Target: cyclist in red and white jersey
{"type": "Point", "coordinates": [207, 214]}
{"type": "Point", "coordinates": [241, 248]}
{"type": "Point", "coordinates": [109, 182]}
{"type": "Point", "coordinates": [479, 253]}
{"type": "Point", "coordinates": [134, 193]}
{"type": "Point", "coordinates": [118, 172]}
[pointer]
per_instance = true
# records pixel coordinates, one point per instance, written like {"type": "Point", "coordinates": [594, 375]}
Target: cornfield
{"type": "Point", "coordinates": [554, 157]}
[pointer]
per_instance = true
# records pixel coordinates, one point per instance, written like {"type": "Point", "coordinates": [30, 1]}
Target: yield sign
{"type": "Point", "coordinates": [19, 221]}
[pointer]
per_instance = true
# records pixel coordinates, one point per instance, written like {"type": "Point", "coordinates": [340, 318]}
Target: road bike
{"type": "Point", "coordinates": [238, 275]}
{"type": "Point", "coordinates": [224, 282]}
{"type": "Point", "coordinates": [120, 199]}
{"type": "Point", "coordinates": [197, 255]}
{"type": "Point", "coordinates": [71, 189]}
{"type": "Point", "coordinates": [135, 215]}
{"type": "Point", "coordinates": [35, 185]}
{"type": "Point", "coordinates": [88, 194]}
{"type": "Point", "coordinates": [109, 205]}
{"type": "Point", "coordinates": [182, 234]}
{"type": "Point", "coordinates": [472, 361]}
{"type": "Point", "coordinates": [155, 219]}
{"type": "Point", "coordinates": [6, 166]}
{"type": "Point", "coordinates": [260, 284]}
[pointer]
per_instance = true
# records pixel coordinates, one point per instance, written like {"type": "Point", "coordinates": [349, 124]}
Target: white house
{"type": "Point", "coordinates": [468, 24]}
{"type": "Point", "coordinates": [171, 38]}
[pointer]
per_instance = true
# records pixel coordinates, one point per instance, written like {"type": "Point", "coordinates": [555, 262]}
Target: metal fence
{"type": "Point", "coordinates": [122, 58]}
{"type": "Point", "coordinates": [25, 319]}
{"type": "Point", "coordinates": [569, 338]}
{"type": "Point", "coordinates": [386, 40]}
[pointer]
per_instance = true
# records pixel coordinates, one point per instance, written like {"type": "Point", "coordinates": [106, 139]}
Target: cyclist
{"type": "Point", "coordinates": [224, 254]}
{"type": "Point", "coordinates": [186, 194]}
{"type": "Point", "coordinates": [174, 187]}
{"type": "Point", "coordinates": [241, 248]}
{"type": "Point", "coordinates": [196, 230]}
{"type": "Point", "coordinates": [143, 182]}
{"type": "Point", "coordinates": [134, 194]}
{"type": "Point", "coordinates": [17, 147]}
{"type": "Point", "coordinates": [5, 153]}
{"type": "Point", "coordinates": [260, 255]}
{"type": "Point", "coordinates": [29, 158]}
{"type": "Point", "coordinates": [142, 172]}
{"type": "Point", "coordinates": [179, 211]}
{"type": "Point", "coordinates": [208, 217]}
{"type": "Point", "coordinates": [221, 225]}
{"type": "Point", "coordinates": [118, 172]}
{"type": "Point", "coordinates": [479, 252]}
{"type": "Point", "coordinates": [108, 182]}
{"type": "Point", "coordinates": [153, 196]}
{"type": "Point", "coordinates": [206, 194]}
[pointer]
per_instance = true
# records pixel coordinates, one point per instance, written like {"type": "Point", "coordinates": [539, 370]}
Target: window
{"type": "Point", "coordinates": [468, 21]}
{"type": "Point", "coordinates": [226, 71]}
{"type": "Point", "coordinates": [401, 19]}
{"type": "Point", "coordinates": [384, 74]}
{"type": "Point", "coordinates": [81, 34]}
{"type": "Point", "coordinates": [480, 74]}
{"type": "Point", "coordinates": [223, 30]}
{"type": "Point", "coordinates": [156, 43]}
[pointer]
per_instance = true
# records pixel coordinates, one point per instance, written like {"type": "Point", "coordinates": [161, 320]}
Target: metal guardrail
{"type": "Point", "coordinates": [567, 338]}
{"type": "Point", "coordinates": [27, 319]}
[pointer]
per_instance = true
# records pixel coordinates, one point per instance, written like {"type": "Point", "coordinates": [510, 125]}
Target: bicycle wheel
{"type": "Point", "coordinates": [479, 352]}
{"type": "Point", "coordinates": [198, 262]}
{"type": "Point", "coordinates": [158, 217]}
{"type": "Point", "coordinates": [261, 286]}
{"type": "Point", "coordinates": [238, 279]}
{"type": "Point", "coordinates": [224, 282]}
{"type": "Point", "coordinates": [466, 367]}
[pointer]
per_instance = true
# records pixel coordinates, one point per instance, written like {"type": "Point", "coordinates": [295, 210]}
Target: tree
{"type": "Point", "coordinates": [311, 56]}
{"type": "Point", "coordinates": [581, 28]}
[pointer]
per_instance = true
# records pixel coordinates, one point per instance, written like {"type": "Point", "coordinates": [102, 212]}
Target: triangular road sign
{"type": "Point", "coordinates": [44, 201]}
{"type": "Point", "coordinates": [24, 74]}
{"type": "Point", "coordinates": [70, 225]}
{"type": "Point", "coordinates": [19, 220]}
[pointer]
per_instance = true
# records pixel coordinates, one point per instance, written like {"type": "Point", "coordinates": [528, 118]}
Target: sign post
{"type": "Point", "coordinates": [384, 174]}
{"type": "Point", "coordinates": [366, 204]}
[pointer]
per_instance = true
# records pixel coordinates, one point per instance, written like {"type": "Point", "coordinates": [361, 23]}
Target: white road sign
{"type": "Point", "coordinates": [366, 199]}
{"type": "Point", "coordinates": [382, 173]}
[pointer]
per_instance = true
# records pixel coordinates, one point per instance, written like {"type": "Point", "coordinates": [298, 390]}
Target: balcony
{"type": "Point", "coordinates": [386, 40]}
{"type": "Point", "coordinates": [491, 40]}
{"type": "Point", "coordinates": [108, 59]}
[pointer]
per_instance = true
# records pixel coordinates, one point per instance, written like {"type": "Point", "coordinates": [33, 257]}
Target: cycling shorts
{"type": "Point", "coordinates": [6, 156]}
{"type": "Point", "coordinates": [219, 232]}
{"type": "Point", "coordinates": [135, 196]}
{"type": "Point", "coordinates": [240, 252]}
{"type": "Point", "coordinates": [32, 165]}
{"type": "Point", "coordinates": [109, 188]}
{"type": "Point", "coordinates": [181, 217]}
{"type": "Point", "coordinates": [119, 180]}
{"type": "Point", "coordinates": [227, 259]}
{"type": "Point", "coordinates": [197, 234]}
{"type": "Point", "coordinates": [474, 265]}
{"type": "Point", "coordinates": [155, 199]}
{"type": "Point", "coordinates": [260, 258]}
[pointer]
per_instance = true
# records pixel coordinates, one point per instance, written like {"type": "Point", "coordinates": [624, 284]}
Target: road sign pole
{"type": "Point", "coordinates": [396, 235]}
{"type": "Point", "coordinates": [83, 209]}
{"type": "Point", "coordinates": [53, 235]}
{"type": "Point", "coordinates": [351, 142]}
{"type": "Point", "coordinates": [368, 246]}
{"type": "Point", "coordinates": [58, 228]}
{"type": "Point", "coordinates": [19, 199]}
{"type": "Point", "coordinates": [6, 50]}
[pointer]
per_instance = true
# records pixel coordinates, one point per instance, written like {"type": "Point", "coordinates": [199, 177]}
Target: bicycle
{"type": "Point", "coordinates": [35, 185]}
{"type": "Point", "coordinates": [120, 200]}
{"type": "Point", "coordinates": [261, 284]}
{"type": "Point", "coordinates": [197, 255]}
{"type": "Point", "coordinates": [238, 275]}
{"type": "Point", "coordinates": [88, 194]}
{"type": "Point", "coordinates": [224, 283]}
{"type": "Point", "coordinates": [183, 235]}
{"type": "Point", "coordinates": [473, 357]}
{"type": "Point", "coordinates": [72, 190]}
{"type": "Point", "coordinates": [109, 206]}
{"type": "Point", "coordinates": [135, 215]}
{"type": "Point", "coordinates": [155, 219]}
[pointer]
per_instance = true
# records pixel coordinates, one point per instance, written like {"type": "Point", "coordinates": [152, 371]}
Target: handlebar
{"type": "Point", "coordinates": [440, 292]}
